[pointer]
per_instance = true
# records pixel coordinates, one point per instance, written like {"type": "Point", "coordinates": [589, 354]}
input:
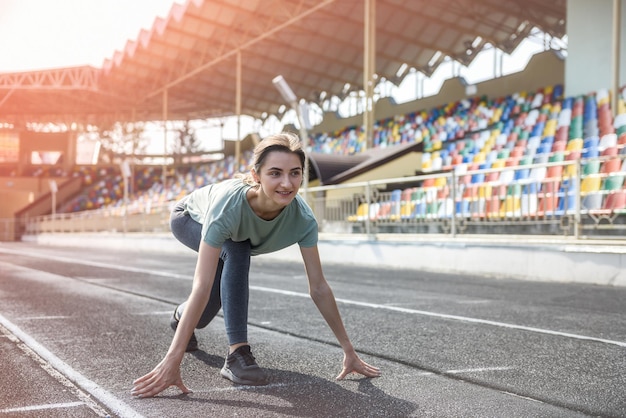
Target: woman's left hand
{"type": "Point", "coordinates": [164, 375]}
{"type": "Point", "coordinates": [353, 364]}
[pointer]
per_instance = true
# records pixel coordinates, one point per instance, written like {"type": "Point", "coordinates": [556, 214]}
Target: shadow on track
{"type": "Point", "coordinates": [295, 394]}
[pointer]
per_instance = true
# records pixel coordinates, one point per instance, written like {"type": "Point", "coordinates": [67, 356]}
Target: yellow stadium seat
{"type": "Point", "coordinates": [550, 128]}
{"type": "Point", "coordinates": [570, 170]}
{"type": "Point", "coordinates": [621, 107]}
{"type": "Point", "coordinates": [485, 191]}
{"type": "Point", "coordinates": [574, 144]}
{"type": "Point", "coordinates": [441, 181]}
{"type": "Point", "coordinates": [590, 184]}
{"type": "Point", "coordinates": [361, 213]}
{"type": "Point", "coordinates": [406, 209]}
{"type": "Point", "coordinates": [479, 157]}
{"type": "Point", "coordinates": [498, 164]}
{"type": "Point", "coordinates": [511, 207]}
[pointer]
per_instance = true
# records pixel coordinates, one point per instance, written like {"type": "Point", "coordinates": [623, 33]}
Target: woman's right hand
{"type": "Point", "coordinates": [167, 372]}
{"type": "Point", "coordinates": [164, 375]}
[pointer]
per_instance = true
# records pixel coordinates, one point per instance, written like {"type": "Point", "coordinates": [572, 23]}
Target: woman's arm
{"type": "Point", "coordinates": [323, 297]}
{"type": "Point", "coordinates": [167, 372]}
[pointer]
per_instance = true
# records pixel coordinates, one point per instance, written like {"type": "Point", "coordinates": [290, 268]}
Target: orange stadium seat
{"type": "Point", "coordinates": [615, 201]}
{"type": "Point", "coordinates": [611, 166]}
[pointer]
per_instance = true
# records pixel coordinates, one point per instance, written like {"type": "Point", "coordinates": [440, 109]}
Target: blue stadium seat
{"type": "Point", "coordinates": [521, 174]}
{"type": "Point", "coordinates": [463, 208]}
{"type": "Point", "coordinates": [544, 148]}
{"type": "Point", "coordinates": [567, 201]}
{"type": "Point", "coordinates": [478, 178]}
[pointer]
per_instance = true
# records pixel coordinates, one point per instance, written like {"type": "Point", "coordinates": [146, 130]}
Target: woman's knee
{"type": "Point", "coordinates": [236, 250]}
{"type": "Point", "coordinates": [187, 231]}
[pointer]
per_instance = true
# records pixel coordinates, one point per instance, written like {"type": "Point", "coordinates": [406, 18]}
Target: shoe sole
{"type": "Point", "coordinates": [226, 374]}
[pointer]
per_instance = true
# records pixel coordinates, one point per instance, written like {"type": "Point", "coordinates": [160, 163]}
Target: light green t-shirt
{"type": "Point", "coordinates": [224, 212]}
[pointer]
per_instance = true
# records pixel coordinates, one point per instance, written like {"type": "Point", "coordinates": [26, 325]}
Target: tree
{"type": "Point", "coordinates": [185, 143]}
{"type": "Point", "coordinates": [121, 140]}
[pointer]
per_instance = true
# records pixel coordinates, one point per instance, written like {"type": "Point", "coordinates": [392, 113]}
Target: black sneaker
{"type": "Point", "coordinates": [192, 345]}
{"type": "Point", "coordinates": [241, 368]}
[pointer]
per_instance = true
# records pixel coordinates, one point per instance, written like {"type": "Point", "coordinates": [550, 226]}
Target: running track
{"type": "Point", "coordinates": [77, 325]}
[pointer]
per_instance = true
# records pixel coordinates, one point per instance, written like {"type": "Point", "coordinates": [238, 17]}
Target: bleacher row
{"type": "Point", "coordinates": [149, 191]}
{"type": "Point", "coordinates": [512, 157]}
{"type": "Point", "coordinates": [546, 191]}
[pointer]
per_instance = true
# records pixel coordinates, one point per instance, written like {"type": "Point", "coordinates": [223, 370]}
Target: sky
{"type": "Point", "coordinates": [46, 34]}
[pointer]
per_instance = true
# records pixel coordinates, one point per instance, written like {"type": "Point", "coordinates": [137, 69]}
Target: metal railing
{"type": "Point", "coordinates": [100, 220]}
{"type": "Point", "coordinates": [528, 199]}
{"type": "Point", "coordinates": [558, 198]}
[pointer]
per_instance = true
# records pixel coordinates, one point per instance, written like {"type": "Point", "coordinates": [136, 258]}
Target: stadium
{"type": "Point", "coordinates": [519, 174]}
{"type": "Point", "coordinates": [534, 153]}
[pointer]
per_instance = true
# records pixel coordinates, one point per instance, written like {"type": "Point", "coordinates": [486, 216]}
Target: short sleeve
{"type": "Point", "coordinates": [311, 235]}
{"type": "Point", "coordinates": [215, 234]}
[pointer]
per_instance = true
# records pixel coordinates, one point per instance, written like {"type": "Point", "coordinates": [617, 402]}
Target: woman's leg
{"type": "Point", "coordinates": [184, 228]}
{"type": "Point", "coordinates": [235, 292]}
{"type": "Point", "coordinates": [189, 232]}
{"type": "Point", "coordinates": [239, 366]}
{"type": "Point", "coordinates": [234, 266]}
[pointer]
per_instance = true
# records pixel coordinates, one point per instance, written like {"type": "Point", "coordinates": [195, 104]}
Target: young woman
{"type": "Point", "coordinates": [227, 223]}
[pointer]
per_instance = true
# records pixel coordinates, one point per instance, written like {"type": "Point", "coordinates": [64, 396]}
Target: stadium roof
{"type": "Point", "coordinates": [317, 45]}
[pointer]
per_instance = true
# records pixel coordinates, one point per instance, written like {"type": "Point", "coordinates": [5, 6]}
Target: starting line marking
{"type": "Point", "coordinates": [110, 401]}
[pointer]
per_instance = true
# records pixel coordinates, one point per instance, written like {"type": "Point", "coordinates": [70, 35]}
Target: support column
{"type": "Point", "coordinates": [617, 18]}
{"type": "Point", "coordinates": [133, 118]}
{"type": "Point", "coordinates": [595, 50]}
{"type": "Point", "coordinates": [369, 68]}
{"type": "Point", "coordinates": [69, 160]}
{"type": "Point", "coordinates": [163, 174]}
{"type": "Point", "coordinates": [238, 111]}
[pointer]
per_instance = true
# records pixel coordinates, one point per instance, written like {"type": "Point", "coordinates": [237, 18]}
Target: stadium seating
{"type": "Point", "coordinates": [511, 134]}
{"type": "Point", "coordinates": [104, 187]}
{"type": "Point", "coordinates": [513, 157]}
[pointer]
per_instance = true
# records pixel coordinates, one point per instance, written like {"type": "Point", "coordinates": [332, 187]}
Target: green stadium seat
{"type": "Point", "coordinates": [613, 182]}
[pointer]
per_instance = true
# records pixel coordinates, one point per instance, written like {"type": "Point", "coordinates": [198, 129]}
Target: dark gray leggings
{"type": "Point", "coordinates": [230, 287]}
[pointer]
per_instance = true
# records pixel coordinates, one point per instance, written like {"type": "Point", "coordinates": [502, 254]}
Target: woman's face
{"type": "Point", "coordinates": [280, 177]}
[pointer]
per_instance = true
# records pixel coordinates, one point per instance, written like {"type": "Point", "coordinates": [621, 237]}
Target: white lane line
{"type": "Point", "coordinates": [114, 404]}
{"type": "Point", "coordinates": [42, 407]}
{"type": "Point", "coordinates": [154, 313]}
{"type": "Point", "coordinates": [98, 264]}
{"type": "Point", "coordinates": [244, 388]}
{"type": "Point", "coordinates": [451, 317]}
{"type": "Point", "coordinates": [346, 301]}
{"type": "Point", "coordinates": [37, 318]}
{"type": "Point", "coordinates": [462, 371]}
{"type": "Point", "coordinates": [478, 370]}
{"type": "Point", "coordinates": [472, 302]}
{"type": "Point", "coordinates": [522, 397]}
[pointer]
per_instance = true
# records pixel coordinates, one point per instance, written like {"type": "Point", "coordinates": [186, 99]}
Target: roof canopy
{"type": "Point", "coordinates": [317, 45]}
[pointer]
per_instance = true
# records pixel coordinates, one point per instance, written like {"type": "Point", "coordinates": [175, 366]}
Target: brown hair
{"type": "Point", "coordinates": [283, 142]}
